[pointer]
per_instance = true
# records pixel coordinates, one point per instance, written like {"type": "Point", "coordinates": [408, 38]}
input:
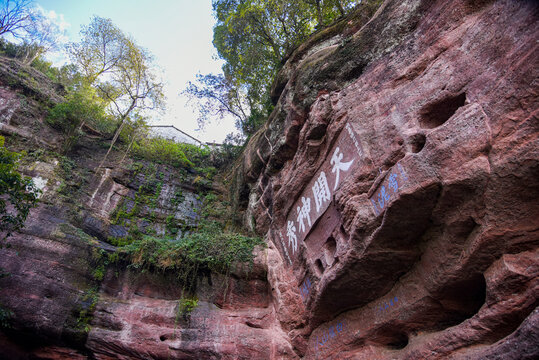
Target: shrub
{"type": "Point", "coordinates": [162, 151]}
{"type": "Point", "coordinates": [210, 248]}
{"type": "Point", "coordinates": [186, 306]}
{"type": "Point", "coordinates": [17, 193]}
{"type": "Point", "coordinates": [82, 106]}
{"type": "Point", "coordinates": [196, 154]}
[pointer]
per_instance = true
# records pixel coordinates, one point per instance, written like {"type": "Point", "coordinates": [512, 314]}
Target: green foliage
{"type": "Point", "coordinates": [72, 181]}
{"type": "Point", "coordinates": [24, 51]}
{"type": "Point", "coordinates": [171, 225]}
{"type": "Point", "coordinates": [168, 152]}
{"type": "Point", "coordinates": [87, 306]}
{"type": "Point", "coordinates": [209, 248]}
{"type": "Point", "coordinates": [162, 151]}
{"type": "Point", "coordinates": [199, 156]}
{"type": "Point", "coordinates": [17, 193]}
{"type": "Point", "coordinates": [254, 38]}
{"type": "Point", "coordinates": [82, 107]}
{"type": "Point", "coordinates": [186, 306]}
{"type": "Point", "coordinates": [178, 198]}
{"type": "Point", "coordinates": [8, 49]}
{"type": "Point", "coordinates": [5, 317]}
{"type": "Point", "coordinates": [146, 198]}
{"type": "Point", "coordinates": [99, 272]}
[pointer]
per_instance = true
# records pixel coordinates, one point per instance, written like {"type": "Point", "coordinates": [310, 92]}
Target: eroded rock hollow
{"type": "Point", "coordinates": [396, 185]}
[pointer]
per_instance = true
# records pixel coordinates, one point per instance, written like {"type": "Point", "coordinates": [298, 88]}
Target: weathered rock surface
{"type": "Point", "coordinates": [396, 183]}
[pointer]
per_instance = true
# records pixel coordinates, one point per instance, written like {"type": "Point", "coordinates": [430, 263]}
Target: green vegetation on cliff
{"type": "Point", "coordinates": [208, 248]}
{"type": "Point", "coordinates": [255, 38]}
{"type": "Point", "coordinates": [18, 193]}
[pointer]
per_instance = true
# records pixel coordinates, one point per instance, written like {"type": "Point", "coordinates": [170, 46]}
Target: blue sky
{"type": "Point", "coordinates": [177, 32]}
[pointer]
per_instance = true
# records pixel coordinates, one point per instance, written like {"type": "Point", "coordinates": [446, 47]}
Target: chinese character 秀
{"type": "Point", "coordinates": [292, 238]}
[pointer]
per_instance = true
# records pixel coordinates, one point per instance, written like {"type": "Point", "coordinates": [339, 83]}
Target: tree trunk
{"type": "Point", "coordinates": [116, 135]}
{"type": "Point", "coordinates": [128, 148]}
{"type": "Point", "coordinates": [319, 13]}
{"type": "Point", "coordinates": [339, 7]}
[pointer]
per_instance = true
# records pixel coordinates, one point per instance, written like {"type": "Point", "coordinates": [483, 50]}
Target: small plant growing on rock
{"type": "Point", "coordinates": [5, 317]}
{"type": "Point", "coordinates": [17, 193]}
{"type": "Point", "coordinates": [88, 303]}
{"type": "Point", "coordinates": [186, 306]}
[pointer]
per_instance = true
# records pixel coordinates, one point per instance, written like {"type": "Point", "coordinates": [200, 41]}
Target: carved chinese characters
{"type": "Point", "coordinates": [304, 289]}
{"type": "Point", "coordinates": [328, 335]}
{"type": "Point", "coordinates": [318, 194]}
{"type": "Point", "coordinates": [388, 189]}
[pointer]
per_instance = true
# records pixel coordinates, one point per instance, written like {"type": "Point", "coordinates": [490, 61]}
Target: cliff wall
{"type": "Point", "coordinates": [395, 185]}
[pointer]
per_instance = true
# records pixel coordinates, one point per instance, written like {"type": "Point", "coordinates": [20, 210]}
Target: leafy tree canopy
{"type": "Point", "coordinates": [119, 69]}
{"type": "Point", "coordinates": [254, 37]}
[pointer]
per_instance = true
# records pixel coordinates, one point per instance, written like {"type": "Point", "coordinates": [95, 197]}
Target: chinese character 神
{"type": "Point", "coordinates": [338, 165]}
{"type": "Point", "coordinates": [303, 213]}
{"type": "Point", "coordinates": [291, 233]}
{"type": "Point", "coordinates": [383, 197]}
{"type": "Point", "coordinates": [321, 191]}
{"type": "Point", "coordinates": [393, 184]}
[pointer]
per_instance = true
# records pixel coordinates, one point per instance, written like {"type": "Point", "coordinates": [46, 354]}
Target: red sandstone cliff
{"type": "Point", "coordinates": [396, 183]}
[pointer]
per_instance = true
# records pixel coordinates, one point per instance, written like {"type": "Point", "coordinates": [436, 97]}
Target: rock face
{"type": "Point", "coordinates": [396, 183]}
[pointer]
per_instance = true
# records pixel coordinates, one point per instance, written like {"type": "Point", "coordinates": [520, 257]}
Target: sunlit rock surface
{"type": "Point", "coordinates": [396, 184]}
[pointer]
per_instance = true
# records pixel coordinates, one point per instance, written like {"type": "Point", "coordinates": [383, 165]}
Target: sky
{"type": "Point", "coordinates": [177, 32]}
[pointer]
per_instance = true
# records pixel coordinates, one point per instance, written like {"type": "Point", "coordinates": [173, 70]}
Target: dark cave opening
{"type": "Point", "coordinates": [437, 113]}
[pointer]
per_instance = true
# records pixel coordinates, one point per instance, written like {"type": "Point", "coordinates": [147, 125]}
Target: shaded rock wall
{"type": "Point", "coordinates": [397, 184]}
{"type": "Point", "coordinates": [68, 301]}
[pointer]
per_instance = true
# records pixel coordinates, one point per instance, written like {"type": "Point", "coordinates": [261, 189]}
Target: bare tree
{"type": "Point", "coordinates": [102, 48]}
{"type": "Point", "coordinates": [132, 86]}
{"type": "Point", "coordinates": [15, 17]}
{"type": "Point", "coordinates": [42, 35]}
{"type": "Point", "coordinates": [119, 69]}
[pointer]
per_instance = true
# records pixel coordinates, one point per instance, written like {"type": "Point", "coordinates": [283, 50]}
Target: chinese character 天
{"type": "Point", "coordinates": [338, 165]}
